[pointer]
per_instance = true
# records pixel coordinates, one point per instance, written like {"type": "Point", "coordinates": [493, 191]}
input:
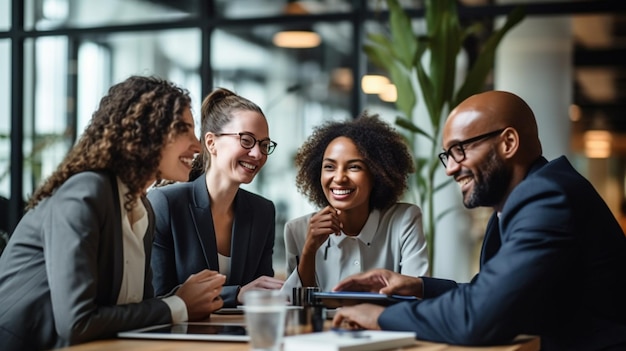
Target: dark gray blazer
{"type": "Point", "coordinates": [185, 243]}
{"type": "Point", "coordinates": [553, 264]}
{"type": "Point", "coordinates": [61, 272]}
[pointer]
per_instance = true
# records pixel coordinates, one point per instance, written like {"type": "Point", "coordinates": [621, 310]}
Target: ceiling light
{"type": "Point", "coordinates": [597, 143]}
{"type": "Point", "coordinates": [297, 39]}
{"type": "Point", "coordinates": [374, 84]}
{"type": "Point", "coordinates": [390, 94]}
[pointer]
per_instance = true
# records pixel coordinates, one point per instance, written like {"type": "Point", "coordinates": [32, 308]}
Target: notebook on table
{"type": "Point", "coordinates": [340, 340]}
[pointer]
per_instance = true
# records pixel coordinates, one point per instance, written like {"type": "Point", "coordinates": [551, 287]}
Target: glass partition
{"type": "Point", "coordinates": [5, 15]}
{"type": "Point", "coordinates": [297, 88]}
{"type": "Point", "coordinates": [68, 77]}
{"type": "Point", "coordinates": [50, 14]}
{"type": "Point", "coordinates": [5, 131]}
{"type": "Point", "coordinates": [269, 8]}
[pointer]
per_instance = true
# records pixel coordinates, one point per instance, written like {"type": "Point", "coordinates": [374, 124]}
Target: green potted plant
{"type": "Point", "coordinates": [400, 53]}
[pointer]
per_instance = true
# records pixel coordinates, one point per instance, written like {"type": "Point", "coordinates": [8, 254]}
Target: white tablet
{"type": "Point", "coordinates": [191, 331]}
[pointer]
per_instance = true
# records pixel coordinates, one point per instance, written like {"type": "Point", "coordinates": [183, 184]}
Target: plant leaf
{"type": "Point", "coordinates": [475, 79]}
{"type": "Point", "coordinates": [445, 44]}
{"type": "Point", "coordinates": [404, 43]}
{"type": "Point", "coordinates": [407, 99]}
{"type": "Point", "coordinates": [408, 125]}
{"type": "Point", "coordinates": [378, 55]}
{"type": "Point", "coordinates": [427, 89]}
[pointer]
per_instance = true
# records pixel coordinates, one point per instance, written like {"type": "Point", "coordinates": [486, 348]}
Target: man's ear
{"type": "Point", "coordinates": [510, 143]}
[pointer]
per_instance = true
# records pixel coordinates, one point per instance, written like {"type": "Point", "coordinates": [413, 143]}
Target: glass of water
{"type": "Point", "coordinates": [265, 312]}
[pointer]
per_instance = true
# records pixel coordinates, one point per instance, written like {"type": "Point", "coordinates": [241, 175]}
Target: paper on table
{"type": "Point", "coordinates": [364, 340]}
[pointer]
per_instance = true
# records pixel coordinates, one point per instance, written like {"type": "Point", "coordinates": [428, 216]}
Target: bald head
{"type": "Point", "coordinates": [490, 141]}
{"type": "Point", "coordinates": [494, 110]}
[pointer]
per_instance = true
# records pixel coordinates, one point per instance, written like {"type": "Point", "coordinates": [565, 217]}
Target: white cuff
{"type": "Point", "coordinates": [177, 308]}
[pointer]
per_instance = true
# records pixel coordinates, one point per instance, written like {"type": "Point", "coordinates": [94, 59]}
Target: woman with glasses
{"type": "Point", "coordinates": [209, 222]}
{"type": "Point", "coordinates": [355, 172]}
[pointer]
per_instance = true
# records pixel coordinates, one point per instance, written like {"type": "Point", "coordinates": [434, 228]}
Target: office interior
{"type": "Point", "coordinates": [58, 57]}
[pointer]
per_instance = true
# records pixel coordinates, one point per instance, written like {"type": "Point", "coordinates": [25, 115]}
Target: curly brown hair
{"type": "Point", "coordinates": [125, 136]}
{"type": "Point", "coordinates": [216, 111]}
{"type": "Point", "coordinates": [384, 151]}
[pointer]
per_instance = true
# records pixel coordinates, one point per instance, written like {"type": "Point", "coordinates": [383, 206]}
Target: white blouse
{"type": "Point", "coordinates": [134, 226]}
{"type": "Point", "coordinates": [393, 239]}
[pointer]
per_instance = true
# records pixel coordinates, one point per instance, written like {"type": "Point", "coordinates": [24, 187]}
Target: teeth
{"type": "Point", "coordinates": [187, 160]}
{"type": "Point", "coordinates": [248, 165]}
{"type": "Point", "coordinates": [464, 181]}
{"type": "Point", "coordinates": [341, 191]}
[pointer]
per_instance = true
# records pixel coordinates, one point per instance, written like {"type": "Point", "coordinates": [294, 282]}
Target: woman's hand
{"type": "Point", "coordinates": [201, 294]}
{"type": "Point", "coordinates": [321, 226]}
{"type": "Point", "coordinates": [263, 282]}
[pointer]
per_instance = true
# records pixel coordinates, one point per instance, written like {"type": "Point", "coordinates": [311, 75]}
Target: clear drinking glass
{"type": "Point", "coordinates": [265, 312]}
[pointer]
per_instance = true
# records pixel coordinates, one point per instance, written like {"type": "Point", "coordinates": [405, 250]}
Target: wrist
{"type": "Point", "coordinates": [238, 294]}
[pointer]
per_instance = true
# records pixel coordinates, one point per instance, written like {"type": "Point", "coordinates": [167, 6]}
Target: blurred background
{"type": "Point", "coordinates": [58, 57]}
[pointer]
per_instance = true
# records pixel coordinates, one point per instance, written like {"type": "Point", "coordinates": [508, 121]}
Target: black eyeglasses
{"type": "Point", "coordinates": [247, 141]}
{"type": "Point", "coordinates": [457, 151]}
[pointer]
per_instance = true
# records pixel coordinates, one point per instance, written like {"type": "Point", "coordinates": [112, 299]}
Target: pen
{"type": "Point", "coordinates": [326, 249]}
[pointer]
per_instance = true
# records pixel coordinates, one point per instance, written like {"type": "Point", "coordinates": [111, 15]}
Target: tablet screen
{"type": "Point", "coordinates": [336, 299]}
{"type": "Point", "coordinates": [191, 331]}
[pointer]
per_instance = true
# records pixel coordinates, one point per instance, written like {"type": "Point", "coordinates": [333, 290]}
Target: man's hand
{"type": "Point", "coordinates": [201, 294]}
{"type": "Point", "coordinates": [263, 282]}
{"type": "Point", "coordinates": [382, 281]}
{"type": "Point", "coordinates": [363, 316]}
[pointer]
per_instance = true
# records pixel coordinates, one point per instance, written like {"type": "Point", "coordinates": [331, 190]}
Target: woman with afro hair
{"type": "Point", "coordinates": [355, 172]}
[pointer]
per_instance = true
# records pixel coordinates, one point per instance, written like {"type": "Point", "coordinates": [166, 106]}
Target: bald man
{"type": "Point", "coordinates": [553, 261]}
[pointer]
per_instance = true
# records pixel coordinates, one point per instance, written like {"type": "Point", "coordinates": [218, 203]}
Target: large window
{"type": "Point", "coordinates": [99, 43]}
{"type": "Point", "coordinates": [5, 14]}
{"type": "Point", "coordinates": [5, 116]}
{"type": "Point", "coordinates": [69, 52]}
{"type": "Point", "coordinates": [5, 129]}
{"type": "Point", "coordinates": [237, 9]}
{"type": "Point", "coordinates": [49, 14]}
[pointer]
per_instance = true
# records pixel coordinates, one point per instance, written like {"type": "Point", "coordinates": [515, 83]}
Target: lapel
{"type": "Point", "coordinates": [200, 211]}
{"type": "Point", "coordinates": [147, 244]}
{"type": "Point", "coordinates": [492, 241]}
{"type": "Point", "coordinates": [118, 244]}
{"type": "Point", "coordinates": [493, 238]}
{"type": "Point", "coordinates": [241, 236]}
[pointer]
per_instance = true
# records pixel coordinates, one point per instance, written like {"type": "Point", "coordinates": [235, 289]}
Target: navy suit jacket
{"type": "Point", "coordinates": [553, 264]}
{"type": "Point", "coordinates": [185, 242]}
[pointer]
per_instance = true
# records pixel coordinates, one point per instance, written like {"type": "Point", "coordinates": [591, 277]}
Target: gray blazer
{"type": "Point", "coordinates": [61, 272]}
{"type": "Point", "coordinates": [184, 242]}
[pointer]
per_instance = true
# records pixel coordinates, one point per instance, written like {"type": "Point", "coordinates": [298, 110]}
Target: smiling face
{"type": "Point", "coordinates": [345, 178]}
{"type": "Point", "coordinates": [228, 157]}
{"type": "Point", "coordinates": [177, 155]}
{"type": "Point", "coordinates": [483, 175]}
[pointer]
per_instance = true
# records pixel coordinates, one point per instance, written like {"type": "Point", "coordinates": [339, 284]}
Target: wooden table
{"type": "Point", "coordinates": [522, 344]}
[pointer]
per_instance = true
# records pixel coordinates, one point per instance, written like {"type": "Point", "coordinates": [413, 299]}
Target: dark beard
{"type": "Point", "coordinates": [491, 184]}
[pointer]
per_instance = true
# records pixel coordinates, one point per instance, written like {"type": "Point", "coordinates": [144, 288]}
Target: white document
{"type": "Point", "coordinates": [363, 340]}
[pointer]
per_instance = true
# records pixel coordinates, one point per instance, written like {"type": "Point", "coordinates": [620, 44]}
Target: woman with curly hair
{"type": "Point", "coordinates": [355, 171]}
{"type": "Point", "coordinates": [210, 222]}
{"type": "Point", "coordinates": [77, 265]}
